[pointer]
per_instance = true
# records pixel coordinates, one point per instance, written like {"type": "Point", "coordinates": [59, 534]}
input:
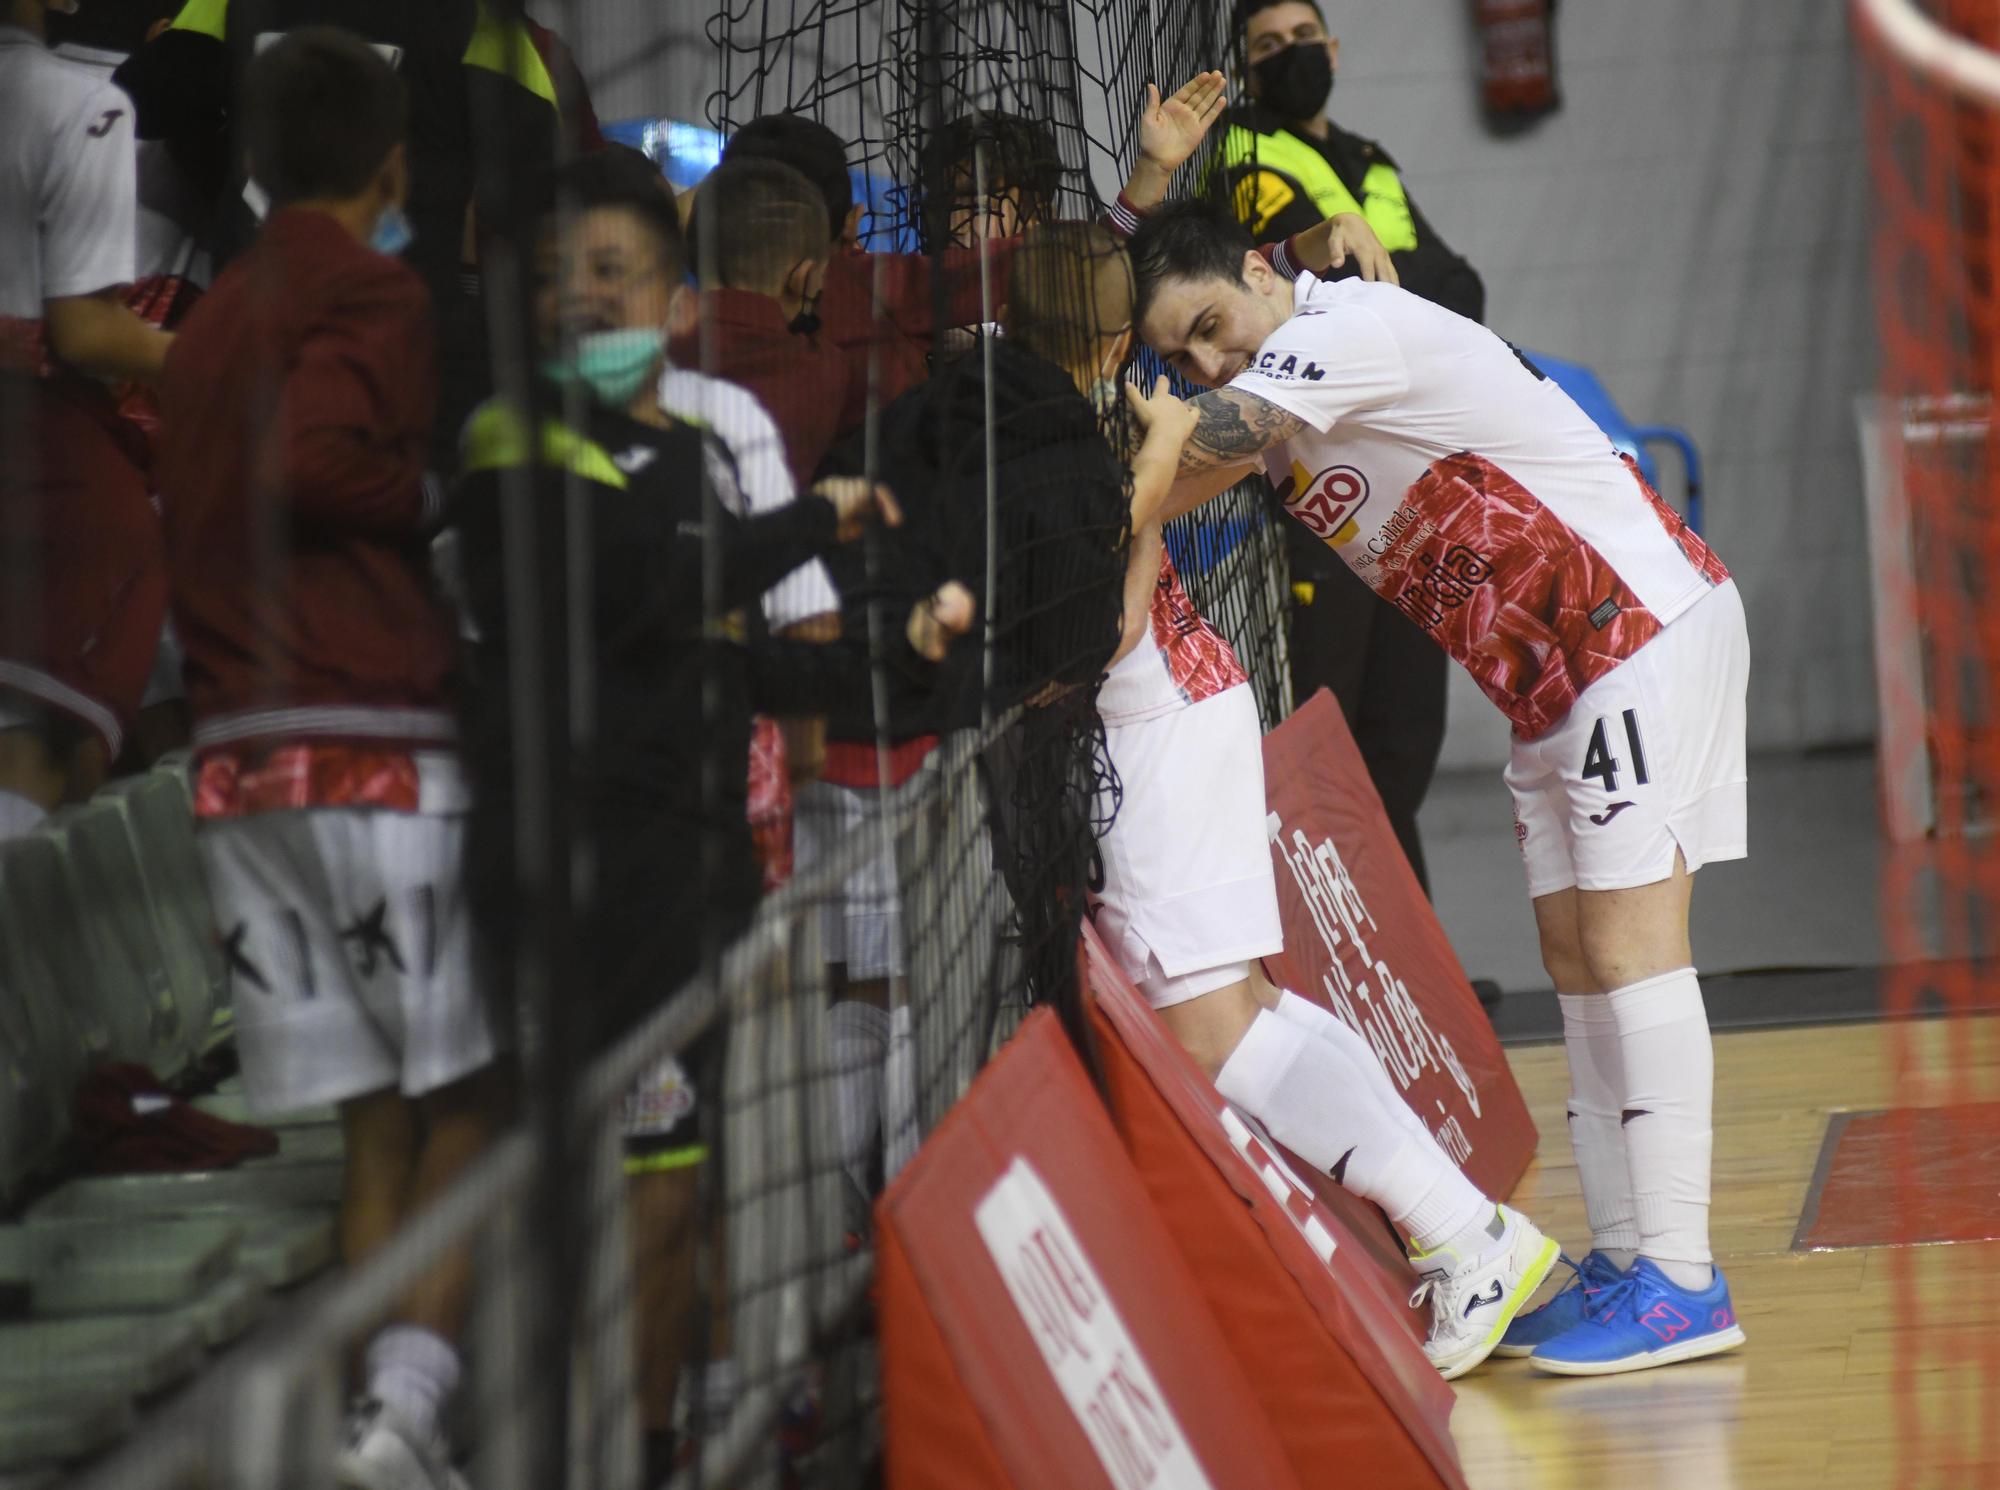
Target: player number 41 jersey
{"type": "Point", "coordinates": [1471, 492]}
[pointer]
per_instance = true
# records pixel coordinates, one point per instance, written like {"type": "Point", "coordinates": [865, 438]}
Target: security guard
{"type": "Point", "coordinates": [1287, 166]}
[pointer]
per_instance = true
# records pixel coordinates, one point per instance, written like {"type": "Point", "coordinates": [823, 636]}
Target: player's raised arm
{"type": "Point", "coordinates": [1170, 130]}
{"type": "Point", "coordinates": [1232, 431]}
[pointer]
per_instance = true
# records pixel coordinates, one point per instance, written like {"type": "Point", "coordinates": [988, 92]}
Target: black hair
{"type": "Point", "coordinates": [627, 179]}
{"type": "Point", "coordinates": [809, 148]}
{"type": "Point", "coordinates": [322, 111]}
{"type": "Point", "coordinates": [1239, 17]}
{"type": "Point", "coordinates": [1185, 240]}
{"type": "Point", "coordinates": [1020, 155]}
{"type": "Point", "coordinates": [753, 220]}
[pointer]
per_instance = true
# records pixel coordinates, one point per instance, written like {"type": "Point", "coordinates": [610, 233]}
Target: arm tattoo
{"type": "Point", "coordinates": [1232, 428]}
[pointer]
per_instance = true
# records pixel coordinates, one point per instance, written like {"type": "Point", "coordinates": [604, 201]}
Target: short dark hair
{"type": "Point", "coordinates": [626, 179]}
{"type": "Point", "coordinates": [1185, 240]}
{"type": "Point", "coordinates": [809, 148]}
{"type": "Point", "coordinates": [322, 111]}
{"type": "Point", "coordinates": [753, 220]}
{"type": "Point", "coordinates": [1020, 154]}
{"type": "Point", "coordinates": [1239, 18]}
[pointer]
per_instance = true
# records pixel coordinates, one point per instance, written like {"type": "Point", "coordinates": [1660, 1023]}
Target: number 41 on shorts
{"type": "Point", "coordinates": [1599, 762]}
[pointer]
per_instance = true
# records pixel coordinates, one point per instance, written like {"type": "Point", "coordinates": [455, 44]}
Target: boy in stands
{"type": "Point", "coordinates": [320, 660]}
{"type": "Point", "coordinates": [1469, 491]}
{"type": "Point", "coordinates": [1189, 900]}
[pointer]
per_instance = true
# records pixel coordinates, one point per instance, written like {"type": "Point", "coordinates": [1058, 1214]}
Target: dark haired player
{"type": "Point", "coordinates": [296, 420]}
{"type": "Point", "coordinates": [1287, 165]}
{"type": "Point", "coordinates": [1470, 492]}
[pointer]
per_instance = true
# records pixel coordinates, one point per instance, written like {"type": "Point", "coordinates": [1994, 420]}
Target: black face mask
{"type": "Point", "coordinates": [1295, 83]}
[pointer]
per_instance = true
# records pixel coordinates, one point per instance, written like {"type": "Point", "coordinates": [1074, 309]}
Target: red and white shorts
{"type": "Point", "coordinates": [1650, 761]}
{"type": "Point", "coordinates": [1190, 898]}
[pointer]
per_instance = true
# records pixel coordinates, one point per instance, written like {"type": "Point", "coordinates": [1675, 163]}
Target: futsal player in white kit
{"type": "Point", "coordinates": [1189, 901]}
{"type": "Point", "coordinates": [1468, 490]}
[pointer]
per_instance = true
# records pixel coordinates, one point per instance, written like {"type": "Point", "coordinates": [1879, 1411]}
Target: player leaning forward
{"type": "Point", "coordinates": [1468, 490]}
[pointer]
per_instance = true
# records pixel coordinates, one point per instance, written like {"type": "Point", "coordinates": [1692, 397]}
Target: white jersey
{"type": "Point", "coordinates": [739, 420]}
{"type": "Point", "coordinates": [68, 186]}
{"type": "Point", "coordinates": [1467, 489]}
{"type": "Point", "coordinates": [168, 205]}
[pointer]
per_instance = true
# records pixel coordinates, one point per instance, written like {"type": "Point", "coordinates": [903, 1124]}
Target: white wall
{"type": "Point", "coordinates": [1692, 224]}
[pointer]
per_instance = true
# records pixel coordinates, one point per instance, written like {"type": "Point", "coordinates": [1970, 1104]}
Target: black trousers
{"type": "Point", "coordinates": [1388, 676]}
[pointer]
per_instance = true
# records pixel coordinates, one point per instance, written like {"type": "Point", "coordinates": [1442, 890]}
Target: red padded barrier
{"type": "Point", "coordinates": [1361, 939]}
{"type": "Point", "coordinates": [1039, 1328]}
{"type": "Point", "coordinates": [1321, 1326]}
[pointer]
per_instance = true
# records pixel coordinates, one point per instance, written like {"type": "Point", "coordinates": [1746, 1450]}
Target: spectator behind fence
{"type": "Point", "coordinates": [172, 268]}
{"type": "Point", "coordinates": [657, 792]}
{"type": "Point", "coordinates": [481, 79]}
{"type": "Point", "coordinates": [82, 577]}
{"type": "Point", "coordinates": [319, 664]}
{"type": "Point", "coordinates": [760, 230]}
{"type": "Point", "coordinates": [1287, 165]}
{"type": "Point", "coordinates": [881, 311]}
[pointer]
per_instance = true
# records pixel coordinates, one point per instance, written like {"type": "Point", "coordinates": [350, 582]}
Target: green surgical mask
{"type": "Point", "coordinates": [613, 365]}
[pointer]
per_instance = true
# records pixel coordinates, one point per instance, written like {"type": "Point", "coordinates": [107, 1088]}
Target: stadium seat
{"type": "Point", "coordinates": [107, 1267]}
{"type": "Point", "coordinates": [49, 1425]}
{"type": "Point", "coordinates": [157, 817]}
{"type": "Point", "coordinates": [34, 1076]}
{"type": "Point", "coordinates": [1583, 385]}
{"type": "Point", "coordinates": [145, 989]}
{"type": "Point", "coordinates": [127, 1355]}
{"type": "Point", "coordinates": [38, 916]}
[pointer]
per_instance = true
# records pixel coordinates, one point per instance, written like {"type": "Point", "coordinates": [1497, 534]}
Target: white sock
{"type": "Point", "coordinates": [1669, 1095]}
{"type": "Point", "coordinates": [413, 1370]}
{"type": "Point", "coordinates": [1330, 1027]}
{"type": "Point", "coordinates": [860, 1037]}
{"type": "Point", "coordinates": [1321, 1104]}
{"type": "Point", "coordinates": [1596, 1096]}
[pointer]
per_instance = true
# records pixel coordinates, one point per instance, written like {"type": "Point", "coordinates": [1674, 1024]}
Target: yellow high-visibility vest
{"type": "Point", "coordinates": [1265, 191]}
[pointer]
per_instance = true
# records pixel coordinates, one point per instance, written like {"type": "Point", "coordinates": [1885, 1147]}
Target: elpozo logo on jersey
{"type": "Point", "coordinates": [1328, 502]}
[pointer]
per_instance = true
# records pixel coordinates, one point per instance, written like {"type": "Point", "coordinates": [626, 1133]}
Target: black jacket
{"type": "Point", "coordinates": [1062, 511]}
{"type": "Point", "coordinates": [658, 781]}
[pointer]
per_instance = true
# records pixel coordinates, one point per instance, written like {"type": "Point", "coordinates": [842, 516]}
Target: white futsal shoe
{"type": "Point", "coordinates": [1474, 1297]}
{"type": "Point", "coordinates": [384, 1452]}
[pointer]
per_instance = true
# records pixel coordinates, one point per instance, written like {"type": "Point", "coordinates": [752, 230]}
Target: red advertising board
{"type": "Point", "coordinates": [1039, 1328]}
{"type": "Point", "coordinates": [1318, 1321]}
{"type": "Point", "coordinates": [1361, 939]}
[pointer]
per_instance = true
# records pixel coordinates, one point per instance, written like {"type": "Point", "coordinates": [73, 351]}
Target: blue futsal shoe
{"type": "Point", "coordinates": [1644, 1320]}
{"type": "Point", "coordinates": [1587, 1282]}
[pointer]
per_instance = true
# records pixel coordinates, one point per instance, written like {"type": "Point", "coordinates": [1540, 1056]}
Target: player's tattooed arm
{"type": "Point", "coordinates": [1232, 428]}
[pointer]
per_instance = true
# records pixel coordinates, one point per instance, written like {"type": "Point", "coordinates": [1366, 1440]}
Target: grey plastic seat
{"type": "Point", "coordinates": [160, 823]}
{"type": "Point", "coordinates": [34, 1117]}
{"type": "Point", "coordinates": [131, 973]}
{"type": "Point", "coordinates": [41, 930]}
{"type": "Point", "coordinates": [102, 1267]}
{"type": "Point", "coordinates": [52, 1425]}
{"type": "Point", "coordinates": [124, 1355]}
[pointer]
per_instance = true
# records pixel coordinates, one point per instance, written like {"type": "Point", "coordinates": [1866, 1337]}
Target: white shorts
{"type": "Point", "coordinates": [861, 924]}
{"type": "Point", "coordinates": [349, 949]}
{"type": "Point", "coordinates": [1649, 761]}
{"type": "Point", "coordinates": [1190, 898]}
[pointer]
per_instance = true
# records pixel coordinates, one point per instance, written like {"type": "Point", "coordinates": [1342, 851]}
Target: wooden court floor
{"type": "Point", "coordinates": [1840, 1384]}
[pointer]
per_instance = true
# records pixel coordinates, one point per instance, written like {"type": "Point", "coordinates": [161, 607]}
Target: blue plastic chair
{"type": "Point", "coordinates": [1583, 385]}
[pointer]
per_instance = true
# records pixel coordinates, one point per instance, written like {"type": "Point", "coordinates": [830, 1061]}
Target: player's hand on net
{"type": "Point", "coordinates": [1165, 419]}
{"type": "Point", "coordinates": [1171, 129]}
{"type": "Point", "coordinates": [935, 623]}
{"type": "Point", "coordinates": [855, 500]}
{"type": "Point", "coordinates": [1348, 234]}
